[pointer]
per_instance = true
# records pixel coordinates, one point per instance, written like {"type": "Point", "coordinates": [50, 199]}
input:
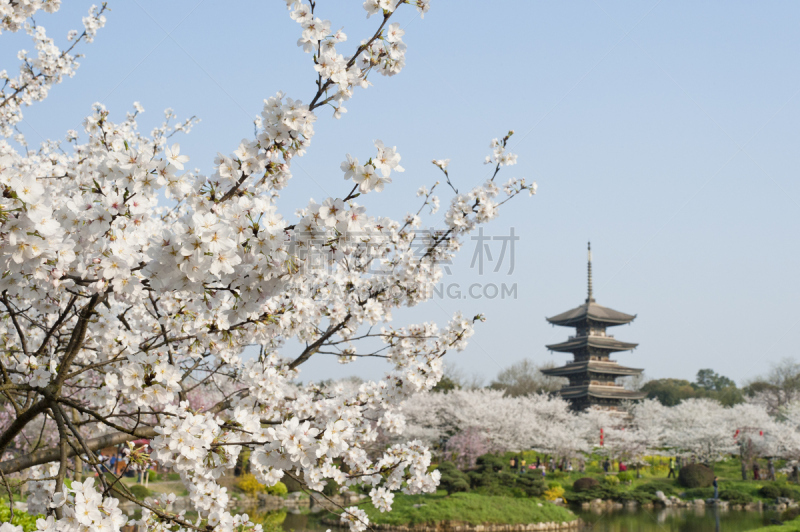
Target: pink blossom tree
{"type": "Point", "coordinates": [465, 447]}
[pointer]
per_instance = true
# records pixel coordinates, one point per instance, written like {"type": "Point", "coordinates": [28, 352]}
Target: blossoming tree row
{"type": "Point", "coordinates": [696, 427]}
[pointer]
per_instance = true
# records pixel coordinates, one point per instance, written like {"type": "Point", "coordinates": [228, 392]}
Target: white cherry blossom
{"type": "Point", "coordinates": [124, 318]}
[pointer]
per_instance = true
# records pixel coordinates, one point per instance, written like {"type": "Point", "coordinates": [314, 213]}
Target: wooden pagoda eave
{"type": "Point", "coordinates": [594, 312]}
{"type": "Point", "coordinates": [600, 392]}
{"type": "Point", "coordinates": [600, 342]}
{"type": "Point", "coordinates": [598, 367]}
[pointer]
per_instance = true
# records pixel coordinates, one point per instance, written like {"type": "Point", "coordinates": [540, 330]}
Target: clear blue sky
{"type": "Point", "coordinates": [664, 132]}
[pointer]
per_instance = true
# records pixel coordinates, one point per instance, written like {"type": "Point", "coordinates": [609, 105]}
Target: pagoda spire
{"type": "Point", "coordinates": [590, 299]}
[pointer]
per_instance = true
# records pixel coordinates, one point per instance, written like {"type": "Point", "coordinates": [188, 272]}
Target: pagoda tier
{"type": "Point", "coordinates": [593, 395]}
{"type": "Point", "coordinates": [588, 343]}
{"type": "Point", "coordinates": [591, 311]}
{"type": "Point", "coordinates": [592, 367]}
{"type": "Point", "coordinates": [592, 375]}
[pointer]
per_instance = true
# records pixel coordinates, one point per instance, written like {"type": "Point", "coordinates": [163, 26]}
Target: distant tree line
{"type": "Point", "coordinates": [517, 380]}
{"type": "Point", "coordinates": [775, 389]}
{"type": "Point", "coordinates": [708, 384]}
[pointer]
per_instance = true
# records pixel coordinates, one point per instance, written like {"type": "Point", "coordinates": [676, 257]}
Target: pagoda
{"type": "Point", "coordinates": [592, 374]}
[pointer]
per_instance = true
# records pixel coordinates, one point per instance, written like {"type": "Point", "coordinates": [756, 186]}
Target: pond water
{"type": "Point", "coordinates": [624, 520]}
{"type": "Point", "coordinates": [673, 520]}
{"type": "Point", "coordinates": [291, 521]}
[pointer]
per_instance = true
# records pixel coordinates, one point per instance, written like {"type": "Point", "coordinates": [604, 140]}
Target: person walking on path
{"type": "Point", "coordinates": [771, 469]}
{"type": "Point", "coordinates": [606, 465]}
{"type": "Point", "coordinates": [671, 473]}
{"type": "Point", "coordinates": [744, 470]}
{"type": "Point", "coordinates": [756, 471]}
{"type": "Point", "coordinates": [716, 489]}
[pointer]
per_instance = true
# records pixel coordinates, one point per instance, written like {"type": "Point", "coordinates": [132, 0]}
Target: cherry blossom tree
{"type": "Point", "coordinates": [50, 65]}
{"type": "Point", "coordinates": [535, 422]}
{"type": "Point", "coordinates": [115, 309]}
{"type": "Point", "coordinates": [700, 427]}
{"type": "Point", "coordinates": [756, 433]}
{"type": "Point", "coordinates": [636, 433]}
{"type": "Point", "coordinates": [649, 419]}
{"type": "Point", "coordinates": [784, 439]}
{"type": "Point", "coordinates": [465, 447]}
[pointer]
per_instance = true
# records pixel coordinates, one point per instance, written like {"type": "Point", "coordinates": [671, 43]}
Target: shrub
{"type": "Point", "coordinates": [453, 480]}
{"type": "Point", "coordinates": [514, 492]}
{"type": "Point", "coordinates": [625, 476]}
{"type": "Point", "coordinates": [140, 492]}
{"type": "Point", "coordinates": [770, 491]}
{"type": "Point", "coordinates": [611, 480]}
{"type": "Point", "coordinates": [735, 496]}
{"type": "Point", "coordinates": [23, 519]}
{"type": "Point", "coordinates": [696, 476]}
{"type": "Point", "coordinates": [641, 497]}
{"type": "Point", "coordinates": [554, 491]}
{"type": "Point", "coordinates": [600, 492]}
{"type": "Point", "coordinates": [249, 484]}
{"type": "Point", "coordinates": [531, 485]}
{"type": "Point", "coordinates": [491, 477]}
{"type": "Point", "coordinates": [790, 514]}
{"type": "Point", "coordinates": [491, 462]}
{"type": "Point", "coordinates": [698, 493]}
{"type": "Point", "coordinates": [789, 492]}
{"type": "Point", "coordinates": [279, 489]}
{"type": "Point", "coordinates": [668, 488]}
{"type": "Point", "coordinates": [584, 484]}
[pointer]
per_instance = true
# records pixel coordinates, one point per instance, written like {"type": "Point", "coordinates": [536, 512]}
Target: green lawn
{"type": "Point", "coordinates": [467, 508]}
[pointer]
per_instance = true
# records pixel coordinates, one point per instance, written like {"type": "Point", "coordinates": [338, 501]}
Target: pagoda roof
{"type": "Point", "coordinates": [591, 311]}
{"type": "Point", "coordinates": [592, 366]}
{"type": "Point", "coordinates": [600, 391]}
{"type": "Point", "coordinates": [600, 342]}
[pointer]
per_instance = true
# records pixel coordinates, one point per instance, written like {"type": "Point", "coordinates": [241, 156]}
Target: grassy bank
{"type": "Point", "coordinates": [788, 526]}
{"type": "Point", "coordinates": [469, 508]}
{"type": "Point", "coordinates": [653, 477]}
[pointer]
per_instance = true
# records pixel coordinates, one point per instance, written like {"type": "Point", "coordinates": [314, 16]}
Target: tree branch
{"type": "Point", "coordinates": [50, 455]}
